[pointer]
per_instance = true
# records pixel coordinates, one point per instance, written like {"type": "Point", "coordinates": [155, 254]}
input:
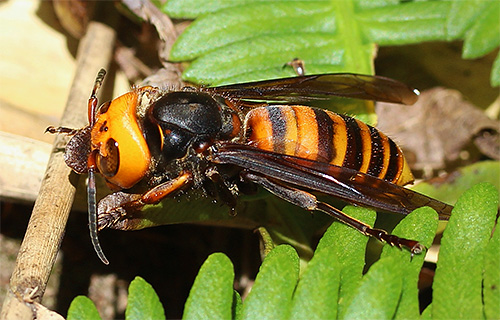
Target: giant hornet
{"type": "Point", "coordinates": [153, 143]}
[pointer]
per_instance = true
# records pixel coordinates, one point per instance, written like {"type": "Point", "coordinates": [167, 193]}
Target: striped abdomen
{"type": "Point", "coordinates": [325, 136]}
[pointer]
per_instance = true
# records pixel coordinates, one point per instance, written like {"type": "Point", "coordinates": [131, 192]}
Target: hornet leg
{"type": "Point", "coordinates": [309, 202]}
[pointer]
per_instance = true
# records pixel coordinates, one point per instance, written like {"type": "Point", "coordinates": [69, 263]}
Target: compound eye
{"type": "Point", "coordinates": [109, 163]}
{"type": "Point", "coordinates": [104, 107]}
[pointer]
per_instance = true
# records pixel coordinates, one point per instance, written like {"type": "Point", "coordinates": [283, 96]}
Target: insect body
{"type": "Point", "coordinates": [153, 144]}
{"type": "Point", "coordinates": [326, 137]}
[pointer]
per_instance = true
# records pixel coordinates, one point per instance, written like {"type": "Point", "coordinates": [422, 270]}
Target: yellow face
{"type": "Point", "coordinates": [122, 156]}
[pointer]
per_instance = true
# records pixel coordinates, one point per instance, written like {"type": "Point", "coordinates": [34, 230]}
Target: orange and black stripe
{"type": "Point", "coordinates": [325, 136]}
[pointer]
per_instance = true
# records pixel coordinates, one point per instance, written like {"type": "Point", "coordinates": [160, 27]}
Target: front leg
{"type": "Point", "coordinates": [115, 209]}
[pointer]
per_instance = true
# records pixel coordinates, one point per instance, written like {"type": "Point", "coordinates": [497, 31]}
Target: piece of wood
{"type": "Point", "coordinates": [24, 161]}
{"type": "Point", "coordinates": [50, 213]}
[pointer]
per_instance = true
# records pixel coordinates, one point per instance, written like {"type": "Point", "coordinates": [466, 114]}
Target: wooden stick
{"type": "Point", "coordinates": [48, 220]}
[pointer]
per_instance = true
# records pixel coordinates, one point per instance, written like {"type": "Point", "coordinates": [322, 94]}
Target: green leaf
{"type": "Point", "coordinates": [332, 285]}
{"type": "Point", "coordinates": [378, 295]}
{"type": "Point", "coordinates": [371, 4]}
{"type": "Point", "coordinates": [462, 15]}
{"type": "Point", "coordinates": [143, 302]}
{"type": "Point", "coordinates": [420, 225]}
{"type": "Point", "coordinates": [255, 59]}
{"type": "Point", "coordinates": [266, 241]}
{"type": "Point", "coordinates": [495, 72]}
{"type": "Point", "coordinates": [82, 308]}
{"type": "Point", "coordinates": [237, 41]}
{"type": "Point", "coordinates": [457, 288]}
{"type": "Point", "coordinates": [190, 9]}
{"type": "Point", "coordinates": [491, 282]}
{"type": "Point", "coordinates": [427, 313]}
{"type": "Point", "coordinates": [484, 35]}
{"type": "Point", "coordinates": [212, 296]}
{"type": "Point", "coordinates": [410, 22]}
{"type": "Point", "coordinates": [237, 306]}
{"type": "Point", "coordinates": [478, 23]}
{"type": "Point", "coordinates": [253, 40]}
{"type": "Point", "coordinates": [271, 294]}
{"type": "Point", "coordinates": [397, 272]}
{"type": "Point", "coordinates": [349, 246]}
{"type": "Point", "coordinates": [292, 225]}
{"type": "Point", "coordinates": [237, 25]}
{"type": "Point", "coordinates": [318, 288]}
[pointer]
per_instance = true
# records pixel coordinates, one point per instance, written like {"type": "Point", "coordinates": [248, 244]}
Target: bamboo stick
{"type": "Point", "coordinates": [48, 220]}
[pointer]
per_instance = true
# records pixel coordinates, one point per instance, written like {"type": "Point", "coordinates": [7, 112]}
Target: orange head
{"type": "Point", "coordinates": [121, 152]}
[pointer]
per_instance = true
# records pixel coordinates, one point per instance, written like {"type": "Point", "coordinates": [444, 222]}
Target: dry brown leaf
{"type": "Point", "coordinates": [73, 15]}
{"type": "Point", "coordinates": [42, 313]}
{"type": "Point", "coordinates": [438, 127]}
{"type": "Point", "coordinates": [149, 12]}
{"type": "Point", "coordinates": [166, 78]}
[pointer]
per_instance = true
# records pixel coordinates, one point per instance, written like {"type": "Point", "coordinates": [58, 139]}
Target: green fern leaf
{"type": "Point", "coordinates": [466, 283]}
{"type": "Point", "coordinates": [457, 288]}
{"type": "Point", "coordinates": [421, 224]}
{"type": "Point", "coordinates": [212, 295]}
{"type": "Point", "coordinates": [461, 16]}
{"type": "Point", "coordinates": [372, 302]}
{"type": "Point", "coordinates": [349, 246]}
{"type": "Point", "coordinates": [82, 308]}
{"type": "Point", "coordinates": [404, 24]}
{"type": "Point", "coordinates": [495, 72]}
{"type": "Point", "coordinates": [236, 41]}
{"type": "Point", "coordinates": [491, 283]}
{"type": "Point", "coordinates": [254, 40]}
{"type": "Point", "coordinates": [271, 295]}
{"type": "Point", "coordinates": [484, 34]}
{"type": "Point", "coordinates": [143, 302]}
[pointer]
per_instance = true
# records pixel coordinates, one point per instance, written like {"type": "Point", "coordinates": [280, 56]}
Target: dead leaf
{"type": "Point", "coordinates": [42, 313]}
{"type": "Point", "coordinates": [438, 127]}
{"type": "Point", "coordinates": [132, 66]}
{"type": "Point", "coordinates": [149, 12]}
{"type": "Point", "coordinates": [74, 15]}
{"type": "Point", "coordinates": [168, 78]}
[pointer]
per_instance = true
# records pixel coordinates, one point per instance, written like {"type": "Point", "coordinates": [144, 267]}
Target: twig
{"type": "Point", "coordinates": [46, 227]}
